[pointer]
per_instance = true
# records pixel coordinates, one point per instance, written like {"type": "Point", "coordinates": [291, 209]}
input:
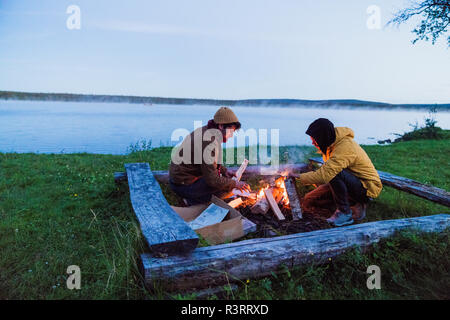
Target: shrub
{"type": "Point", "coordinates": [429, 131]}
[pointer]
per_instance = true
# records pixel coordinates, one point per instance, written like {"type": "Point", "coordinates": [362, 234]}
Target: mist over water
{"type": "Point", "coordinates": [110, 128]}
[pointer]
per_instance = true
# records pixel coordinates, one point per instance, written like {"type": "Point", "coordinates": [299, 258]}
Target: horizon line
{"type": "Point", "coordinates": [228, 100]}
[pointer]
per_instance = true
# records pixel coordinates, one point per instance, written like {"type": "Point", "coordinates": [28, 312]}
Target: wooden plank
{"type": "Point", "coordinates": [211, 215]}
{"type": "Point", "coordinates": [245, 194]}
{"type": "Point", "coordinates": [428, 192]}
{"type": "Point", "coordinates": [253, 258]}
{"type": "Point", "coordinates": [241, 170]}
{"type": "Point", "coordinates": [235, 203]}
{"type": "Point", "coordinates": [273, 204]}
{"type": "Point", "coordinates": [163, 176]}
{"type": "Point", "coordinates": [294, 201]}
{"type": "Point", "coordinates": [164, 230]}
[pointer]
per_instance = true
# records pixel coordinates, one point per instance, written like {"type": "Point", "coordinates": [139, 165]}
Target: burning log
{"type": "Point", "coordinates": [235, 203]}
{"type": "Point", "coordinates": [294, 201]}
{"type": "Point", "coordinates": [262, 206]}
{"type": "Point", "coordinates": [273, 204]}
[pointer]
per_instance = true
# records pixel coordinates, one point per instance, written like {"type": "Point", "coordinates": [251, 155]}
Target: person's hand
{"type": "Point", "coordinates": [294, 175]}
{"type": "Point", "coordinates": [229, 174]}
{"type": "Point", "coordinates": [243, 186]}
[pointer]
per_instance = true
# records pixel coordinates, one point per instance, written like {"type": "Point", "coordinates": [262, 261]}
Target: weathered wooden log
{"type": "Point", "coordinates": [216, 265]}
{"type": "Point", "coordinates": [163, 176]}
{"type": "Point", "coordinates": [414, 187]}
{"type": "Point", "coordinates": [160, 176]}
{"type": "Point", "coordinates": [273, 204]}
{"type": "Point", "coordinates": [261, 206]}
{"type": "Point", "coordinates": [164, 230]}
{"type": "Point", "coordinates": [294, 201]}
{"type": "Point", "coordinates": [411, 186]}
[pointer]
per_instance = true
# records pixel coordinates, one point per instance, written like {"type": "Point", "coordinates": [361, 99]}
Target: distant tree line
{"type": "Point", "coordinates": [14, 95]}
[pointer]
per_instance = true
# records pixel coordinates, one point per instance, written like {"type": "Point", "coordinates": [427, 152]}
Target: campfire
{"type": "Point", "coordinates": [274, 206]}
{"type": "Point", "coordinates": [277, 195]}
{"type": "Point", "coordinates": [271, 196]}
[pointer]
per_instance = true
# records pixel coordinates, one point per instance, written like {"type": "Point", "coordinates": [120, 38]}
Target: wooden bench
{"type": "Point", "coordinates": [163, 176]}
{"type": "Point", "coordinates": [238, 261]}
{"type": "Point", "coordinates": [164, 230]}
{"type": "Point", "coordinates": [216, 265]}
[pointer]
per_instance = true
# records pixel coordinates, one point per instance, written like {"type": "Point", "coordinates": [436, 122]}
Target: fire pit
{"type": "Point", "coordinates": [276, 209]}
{"type": "Point", "coordinates": [189, 267]}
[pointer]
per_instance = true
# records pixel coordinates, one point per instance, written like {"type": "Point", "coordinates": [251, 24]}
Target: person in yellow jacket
{"type": "Point", "coordinates": [347, 172]}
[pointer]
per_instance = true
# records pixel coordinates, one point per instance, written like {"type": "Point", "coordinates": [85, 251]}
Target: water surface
{"type": "Point", "coordinates": [110, 128]}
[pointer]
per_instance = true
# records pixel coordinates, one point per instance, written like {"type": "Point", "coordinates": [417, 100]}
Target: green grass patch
{"type": "Point", "coordinates": [58, 210]}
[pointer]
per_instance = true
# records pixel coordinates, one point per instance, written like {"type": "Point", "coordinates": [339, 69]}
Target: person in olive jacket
{"type": "Point", "coordinates": [196, 171]}
{"type": "Point", "coordinates": [347, 172]}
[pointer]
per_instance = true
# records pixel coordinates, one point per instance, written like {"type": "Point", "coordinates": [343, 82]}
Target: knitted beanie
{"type": "Point", "coordinates": [225, 115]}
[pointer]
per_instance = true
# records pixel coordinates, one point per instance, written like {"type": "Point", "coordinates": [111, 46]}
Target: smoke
{"type": "Point", "coordinates": [292, 155]}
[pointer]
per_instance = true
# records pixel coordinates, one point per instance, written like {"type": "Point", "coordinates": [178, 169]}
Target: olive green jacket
{"type": "Point", "coordinates": [200, 156]}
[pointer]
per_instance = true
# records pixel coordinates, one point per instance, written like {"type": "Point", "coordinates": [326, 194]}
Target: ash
{"type": "Point", "coordinates": [269, 226]}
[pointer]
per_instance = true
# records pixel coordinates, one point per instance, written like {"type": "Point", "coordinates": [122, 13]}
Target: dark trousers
{"type": "Point", "coordinates": [196, 193]}
{"type": "Point", "coordinates": [344, 188]}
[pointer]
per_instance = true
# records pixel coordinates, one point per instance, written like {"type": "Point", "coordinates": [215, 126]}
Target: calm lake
{"type": "Point", "coordinates": [110, 128]}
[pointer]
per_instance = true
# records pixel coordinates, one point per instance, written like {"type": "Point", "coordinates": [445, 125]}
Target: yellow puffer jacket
{"type": "Point", "coordinates": [345, 153]}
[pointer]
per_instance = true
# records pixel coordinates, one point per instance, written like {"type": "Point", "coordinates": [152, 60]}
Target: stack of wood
{"type": "Point", "coordinates": [274, 194]}
{"type": "Point", "coordinates": [280, 189]}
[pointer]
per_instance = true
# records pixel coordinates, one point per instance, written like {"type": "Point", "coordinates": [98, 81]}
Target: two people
{"type": "Point", "coordinates": [196, 171]}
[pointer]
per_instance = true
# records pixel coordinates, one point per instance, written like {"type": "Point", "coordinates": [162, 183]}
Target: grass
{"type": "Point", "coordinates": [59, 210]}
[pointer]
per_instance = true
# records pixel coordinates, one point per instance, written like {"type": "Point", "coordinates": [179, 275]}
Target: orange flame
{"type": "Point", "coordinates": [279, 183]}
{"type": "Point", "coordinates": [260, 193]}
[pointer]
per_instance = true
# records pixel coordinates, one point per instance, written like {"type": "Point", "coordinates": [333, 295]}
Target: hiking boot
{"type": "Point", "coordinates": [339, 219]}
{"type": "Point", "coordinates": [359, 211]}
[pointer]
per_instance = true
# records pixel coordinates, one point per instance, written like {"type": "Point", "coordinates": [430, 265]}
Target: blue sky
{"type": "Point", "coordinates": [220, 49]}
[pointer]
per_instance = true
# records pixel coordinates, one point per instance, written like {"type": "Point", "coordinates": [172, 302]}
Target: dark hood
{"type": "Point", "coordinates": [322, 130]}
